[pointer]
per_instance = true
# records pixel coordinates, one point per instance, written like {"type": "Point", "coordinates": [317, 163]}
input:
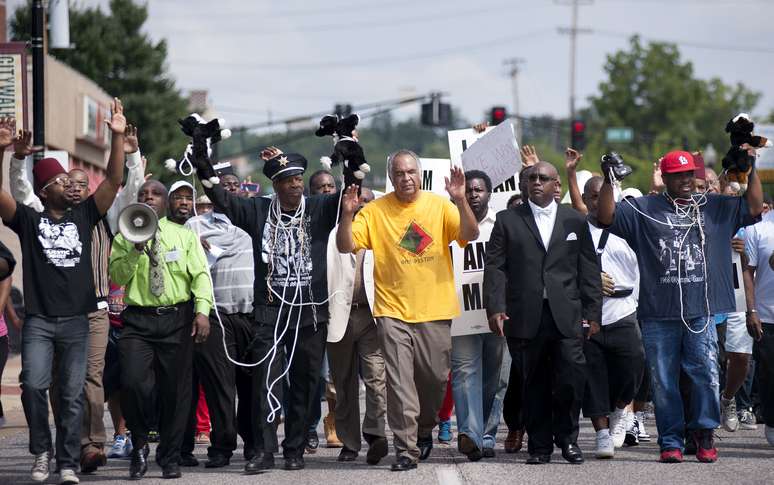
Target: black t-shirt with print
{"type": "Point", "coordinates": [56, 255]}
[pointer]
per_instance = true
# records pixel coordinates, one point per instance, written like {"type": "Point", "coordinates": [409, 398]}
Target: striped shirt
{"type": "Point", "coordinates": [101, 240]}
{"type": "Point", "coordinates": [231, 261]}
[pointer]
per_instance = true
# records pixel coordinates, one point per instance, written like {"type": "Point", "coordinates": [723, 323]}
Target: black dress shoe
{"type": "Point", "coordinates": [187, 459]}
{"type": "Point", "coordinates": [425, 446]}
{"type": "Point", "coordinates": [377, 449]}
{"type": "Point", "coordinates": [294, 463]}
{"type": "Point", "coordinates": [488, 453]}
{"type": "Point", "coordinates": [572, 454]}
{"type": "Point", "coordinates": [171, 470]}
{"type": "Point", "coordinates": [347, 455]}
{"type": "Point", "coordinates": [259, 463]}
{"type": "Point", "coordinates": [468, 447]}
{"type": "Point", "coordinates": [403, 463]}
{"type": "Point", "coordinates": [312, 442]}
{"type": "Point", "coordinates": [249, 453]}
{"type": "Point", "coordinates": [538, 459]}
{"type": "Point", "coordinates": [139, 463]}
{"type": "Point", "coordinates": [217, 461]}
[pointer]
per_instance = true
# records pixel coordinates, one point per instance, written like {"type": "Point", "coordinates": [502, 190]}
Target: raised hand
{"type": "Point", "coordinates": [656, 181]}
{"type": "Point", "coordinates": [350, 201]}
{"type": "Point", "coordinates": [480, 127]}
{"type": "Point", "coordinates": [571, 159]}
{"type": "Point", "coordinates": [131, 142]}
{"type": "Point", "coordinates": [270, 152]}
{"type": "Point", "coordinates": [22, 145]}
{"type": "Point", "coordinates": [455, 185]}
{"type": "Point", "coordinates": [529, 156]}
{"type": "Point", "coordinates": [7, 130]}
{"type": "Point", "coordinates": [117, 122]}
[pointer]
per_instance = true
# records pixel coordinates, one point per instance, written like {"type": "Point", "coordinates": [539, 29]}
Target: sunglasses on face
{"type": "Point", "coordinates": [534, 177]}
{"type": "Point", "coordinates": [62, 180]}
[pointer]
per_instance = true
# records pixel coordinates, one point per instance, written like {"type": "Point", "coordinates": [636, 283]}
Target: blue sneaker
{"type": "Point", "coordinates": [119, 445]}
{"type": "Point", "coordinates": [445, 432]}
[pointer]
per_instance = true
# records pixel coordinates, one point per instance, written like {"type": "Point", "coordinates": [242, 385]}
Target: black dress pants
{"type": "Point", "coordinates": [216, 374]}
{"type": "Point", "coordinates": [155, 352]}
{"type": "Point", "coordinates": [553, 369]}
{"type": "Point", "coordinates": [304, 377]}
{"type": "Point", "coordinates": [512, 403]}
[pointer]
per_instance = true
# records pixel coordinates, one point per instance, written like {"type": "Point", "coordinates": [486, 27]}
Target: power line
{"type": "Point", "coordinates": [355, 63]}
{"type": "Point", "coordinates": [689, 43]}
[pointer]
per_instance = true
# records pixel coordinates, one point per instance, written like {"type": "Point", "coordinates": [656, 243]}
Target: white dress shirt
{"type": "Point", "coordinates": [620, 262]}
{"type": "Point", "coordinates": [545, 217]}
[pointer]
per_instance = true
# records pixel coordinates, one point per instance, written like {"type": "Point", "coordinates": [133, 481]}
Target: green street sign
{"type": "Point", "coordinates": [619, 135]}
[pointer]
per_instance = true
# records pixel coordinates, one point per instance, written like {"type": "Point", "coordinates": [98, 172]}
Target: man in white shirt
{"type": "Point", "coordinates": [477, 353]}
{"type": "Point", "coordinates": [615, 357]}
{"type": "Point", "coordinates": [759, 289]}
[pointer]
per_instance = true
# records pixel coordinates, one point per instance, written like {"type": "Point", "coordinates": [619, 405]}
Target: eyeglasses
{"type": "Point", "coordinates": [62, 180]}
{"type": "Point", "coordinates": [544, 179]}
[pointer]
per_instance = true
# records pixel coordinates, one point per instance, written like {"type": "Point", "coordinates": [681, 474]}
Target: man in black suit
{"type": "Point", "coordinates": [542, 277]}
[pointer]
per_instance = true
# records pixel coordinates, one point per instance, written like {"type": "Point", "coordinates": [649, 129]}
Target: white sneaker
{"type": "Point", "coordinates": [769, 432]}
{"type": "Point", "coordinates": [747, 420]}
{"type": "Point", "coordinates": [117, 450]}
{"type": "Point", "coordinates": [640, 418]}
{"type": "Point", "coordinates": [605, 448]}
{"type": "Point", "coordinates": [67, 476]}
{"type": "Point", "coordinates": [40, 467]}
{"type": "Point", "coordinates": [728, 415]}
{"type": "Point", "coordinates": [632, 432]}
{"type": "Point", "coordinates": [619, 421]}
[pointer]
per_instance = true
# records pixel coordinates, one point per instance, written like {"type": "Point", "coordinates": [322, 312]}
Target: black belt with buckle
{"type": "Point", "coordinates": [156, 310]}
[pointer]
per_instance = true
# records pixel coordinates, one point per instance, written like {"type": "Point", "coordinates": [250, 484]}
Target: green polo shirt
{"type": "Point", "coordinates": [185, 269]}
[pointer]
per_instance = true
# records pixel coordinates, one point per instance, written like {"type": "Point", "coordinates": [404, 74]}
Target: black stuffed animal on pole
{"type": "Point", "coordinates": [738, 162]}
{"type": "Point", "coordinates": [196, 158]}
{"type": "Point", "coordinates": [346, 147]}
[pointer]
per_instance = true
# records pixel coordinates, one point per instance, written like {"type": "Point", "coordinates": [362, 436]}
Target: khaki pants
{"type": "Point", "coordinates": [416, 356]}
{"type": "Point", "coordinates": [93, 428]}
{"type": "Point", "coordinates": [93, 432]}
{"type": "Point", "coordinates": [358, 353]}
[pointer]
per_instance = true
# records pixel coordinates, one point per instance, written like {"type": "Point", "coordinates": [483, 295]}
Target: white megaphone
{"type": "Point", "coordinates": [138, 223]}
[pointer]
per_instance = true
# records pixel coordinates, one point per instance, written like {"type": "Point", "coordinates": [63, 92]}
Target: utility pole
{"type": "Point", "coordinates": [573, 31]}
{"type": "Point", "coordinates": [512, 65]}
{"type": "Point", "coordinates": [38, 81]}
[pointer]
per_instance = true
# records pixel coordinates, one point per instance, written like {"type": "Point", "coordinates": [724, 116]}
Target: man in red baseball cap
{"type": "Point", "coordinates": [58, 294]}
{"type": "Point", "coordinates": [675, 234]}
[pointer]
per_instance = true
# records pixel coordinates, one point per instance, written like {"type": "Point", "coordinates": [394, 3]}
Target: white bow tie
{"type": "Point", "coordinates": [542, 211]}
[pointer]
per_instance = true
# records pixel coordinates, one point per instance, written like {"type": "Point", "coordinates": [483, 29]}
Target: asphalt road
{"type": "Point", "coordinates": [745, 457]}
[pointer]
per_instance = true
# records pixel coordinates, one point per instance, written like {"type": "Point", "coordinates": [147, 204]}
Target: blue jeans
{"type": "Point", "coordinates": [670, 347]}
{"type": "Point", "coordinates": [475, 363]}
{"type": "Point", "coordinates": [68, 338]}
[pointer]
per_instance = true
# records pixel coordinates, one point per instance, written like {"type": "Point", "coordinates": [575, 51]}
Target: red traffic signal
{"type": "Point", "coordinates": [497, 115]}
{"type": "Point", "coordinates": [578, 135]}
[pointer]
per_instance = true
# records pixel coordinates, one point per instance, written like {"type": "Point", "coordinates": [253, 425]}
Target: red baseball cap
{"type": "Point", "coordinates": [677, 161]}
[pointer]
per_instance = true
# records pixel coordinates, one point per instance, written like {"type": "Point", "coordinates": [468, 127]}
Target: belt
{"type": "Point", "coordinates": [621, 293]}
{"type": "Point", "coordinates": [355, 306]}
{"type": "Point", "coordinates": [156, 310]}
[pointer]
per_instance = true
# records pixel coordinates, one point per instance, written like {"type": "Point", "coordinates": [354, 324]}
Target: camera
{"type": "Point", "coordinates": [614, 168]}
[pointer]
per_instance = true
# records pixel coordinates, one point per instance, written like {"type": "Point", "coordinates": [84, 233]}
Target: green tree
{"type": "Point", "coordinates": [652, 90]}
{"type": "Point", "coordinates": [111, 49]}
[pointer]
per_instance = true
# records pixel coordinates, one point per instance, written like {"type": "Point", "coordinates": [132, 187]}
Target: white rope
{"type": "Point", "coordinates": [685, 209]}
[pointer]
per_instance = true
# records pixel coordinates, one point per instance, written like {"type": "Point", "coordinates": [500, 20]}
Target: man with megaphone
{"type": "Point", "coordinates": [168, 300]}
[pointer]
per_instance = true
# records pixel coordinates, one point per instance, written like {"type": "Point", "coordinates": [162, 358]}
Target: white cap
{"type": "Point", "coordinates": [179, 185]}
{"type": "Point", "coordinates": [630, 192]}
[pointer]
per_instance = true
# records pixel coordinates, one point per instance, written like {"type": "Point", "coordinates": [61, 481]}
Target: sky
{"type": "Point", "coordinates": [263, 60]}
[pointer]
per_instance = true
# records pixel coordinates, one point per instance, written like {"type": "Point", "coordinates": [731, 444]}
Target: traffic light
{"type": "Point", "coordinates": [497, 115]}
{"type": "Point", "coordinates": [578, 135]}
{"type": "Point", "coordinates": [435, 113]}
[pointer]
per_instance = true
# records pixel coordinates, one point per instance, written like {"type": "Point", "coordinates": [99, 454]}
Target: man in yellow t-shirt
{"type": "Point", "coordinates": [409, 232]}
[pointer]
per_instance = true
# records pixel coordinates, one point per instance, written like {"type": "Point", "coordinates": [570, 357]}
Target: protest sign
{"type": "Point", "coordinates": [496, 154]}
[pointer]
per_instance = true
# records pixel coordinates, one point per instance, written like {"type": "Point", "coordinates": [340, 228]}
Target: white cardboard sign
{"type": "Point", "coordinates": [496, 154]}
